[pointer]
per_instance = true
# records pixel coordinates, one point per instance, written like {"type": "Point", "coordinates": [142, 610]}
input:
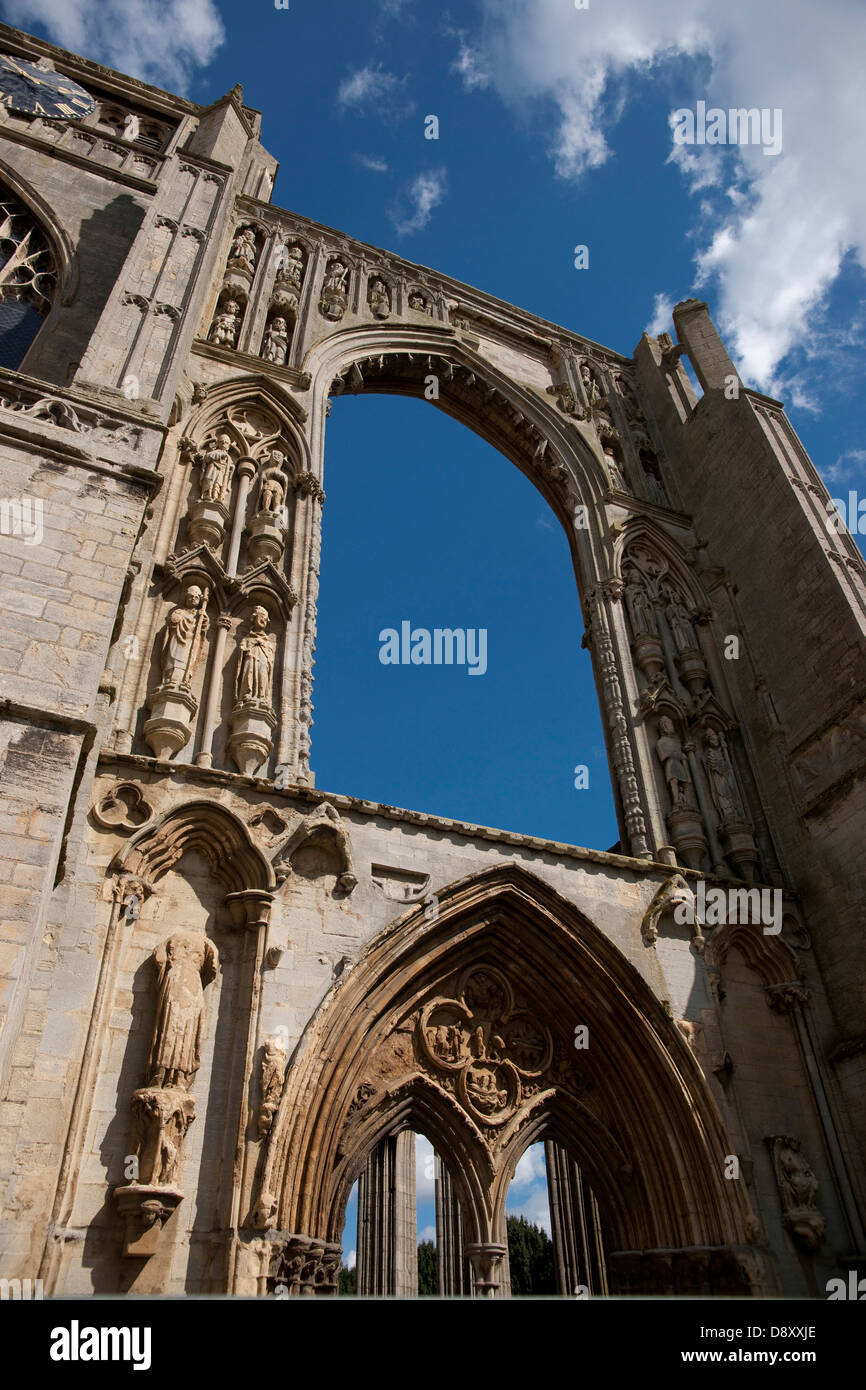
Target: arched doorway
{"type": "Point", "coordinates": [464, 1029]}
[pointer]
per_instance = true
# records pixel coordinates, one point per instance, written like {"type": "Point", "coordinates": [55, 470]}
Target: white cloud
{"type": "Point", "coordinates": [351, 1258]}
{"type": "Point", "coordinates": [373, 163]}
{"type": "Point", "coordinates": [370, 90]}
{"type": "Point", "coordinates": [663, 307]}
{"type": "Point", "coordinates": [414, 207]}
{"type": "Point", "coordinates": [425, 1170]}
{"type": "Point", "coordinates": [531, 1168]}
{"type": "Point", "coordinates": [159, 41]}
{"type": "Point", "coordinates": [848, 467]}
{"type": "Point", "coordinates": [469, 65]}
{"type": "Point", "coordinates": [427, 1233]}
{"type": "Point", "coordinates": [776, 242]}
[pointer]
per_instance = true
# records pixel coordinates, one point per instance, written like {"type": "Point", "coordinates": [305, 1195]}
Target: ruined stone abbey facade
{"type": "Point", "coordinates": [226, 995]}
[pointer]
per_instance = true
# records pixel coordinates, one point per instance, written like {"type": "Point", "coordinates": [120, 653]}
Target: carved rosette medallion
{"type": "Point", "coordinates": [491, 1050]}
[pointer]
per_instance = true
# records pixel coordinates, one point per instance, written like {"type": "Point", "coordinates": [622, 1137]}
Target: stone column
{"type": "Point", "coordinates": [387, 1259]}
{"type": "Point", "coordinates": [450, 1254]}
{"type": "Point", "coordinates": [578, 1253]}
{"type": "Point", "coordinates": [489, 1264]}
{"type": "Point", "coordinates": [204, 758]}
{"type": "Point", "coordinates": [246, 473]}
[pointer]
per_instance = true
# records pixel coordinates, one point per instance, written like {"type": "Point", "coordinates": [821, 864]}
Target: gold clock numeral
{"type": "Point", "coordinates": [39, 109]}
{"type": "Point", "coordinates": [66, 108]}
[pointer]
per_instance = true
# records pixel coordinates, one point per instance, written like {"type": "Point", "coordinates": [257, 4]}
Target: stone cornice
{"type": "Point", "coordinates": [314, 796]}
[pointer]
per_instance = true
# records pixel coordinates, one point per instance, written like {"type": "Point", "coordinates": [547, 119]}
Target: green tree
{"type": "Point", "coordinates": [348, 1281]}
{"type": "Point", "coordinates": [530, 1256]}
{"type": "Point", "coordinates": [428, 1274]}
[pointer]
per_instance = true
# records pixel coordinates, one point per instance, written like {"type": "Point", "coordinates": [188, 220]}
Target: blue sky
{"type": "Point", "coordinates": [553, 131]}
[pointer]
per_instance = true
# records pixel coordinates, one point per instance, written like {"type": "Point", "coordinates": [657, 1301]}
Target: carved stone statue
{"type": "Point", "coordinates": [290, 266]}
{"type": "Point", "coordinates": [335, 299]}
{"type": "Point", "coordinates": [653, 478]}
{"type": "Point", "coordinates": [798, 1190]}
{"type": "Point", "coordinates": [680, 624]}
{"type": "Point", "coordinates": [593, 392]}
{"type": "Point", "coordinates": [217, 468]}
{"type": "Point", "coordinates": [183, 638]}
{"type": "Point", "coordinates": [185, 963]}
{"type": "Point", "coordinates": [637, 601]}
{"type": "Point", "coordinates": [162, 1117]}
{"type": "Point", "coordinates": [256, 661]}
{"type": "Point", "coordinates": [379, 299]}
{"type": "Point", "coordinates": [274, 485]}
{"type": "Point", "coordinates": [669, 751]}
{"type": "Point", "coordinates": [614, 470]}
{"type": "Point", "coordinates": [243, 252]}
{"type": "Point", "coordinates": [276, 344]}
{"type": "Point", "coordinates": [226, 325]}
{"type": "Point", "coordinates": [273, 1071]}
{"type": "Point", "coordinates": [418, 302]}
{"type": "Point", "coordinates": [722, 779]}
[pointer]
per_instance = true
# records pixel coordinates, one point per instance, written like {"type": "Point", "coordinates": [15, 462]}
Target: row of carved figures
{"type": "Point", "coordinates": [284, 301]}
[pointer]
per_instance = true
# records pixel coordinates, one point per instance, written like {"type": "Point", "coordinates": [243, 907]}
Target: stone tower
{"type": "Point", "coordinates": [227, 995]}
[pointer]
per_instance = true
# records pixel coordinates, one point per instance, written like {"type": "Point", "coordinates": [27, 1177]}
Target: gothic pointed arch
{"type": "Point", "coordinates": [480, 1007]}
{"type": "Point", "coordinates": [516, 419]}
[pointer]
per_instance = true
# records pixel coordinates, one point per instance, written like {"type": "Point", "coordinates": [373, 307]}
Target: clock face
{"type": "Point", "coordinates": [25, 87]}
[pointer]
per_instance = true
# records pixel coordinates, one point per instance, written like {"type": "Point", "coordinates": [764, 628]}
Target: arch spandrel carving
{"type": "Point", "coordinates": [378, 1056]}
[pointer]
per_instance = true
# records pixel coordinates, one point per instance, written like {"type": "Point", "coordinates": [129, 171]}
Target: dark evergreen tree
{"type": "Point", "coordinates": [348, 1281]}
{"type": "Point", "coordinates": [428, 1274]}
{"type": "Point", "coordinates": [530, 1256]}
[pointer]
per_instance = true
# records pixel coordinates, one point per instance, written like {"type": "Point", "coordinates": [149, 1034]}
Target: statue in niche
{"type": "Point", "coordinates": [653, 478]}
{"type": "Point", "coordinates": [217, 469]}
{"type": "Point", "coordinates": [614, 469]}
{"type": "Point", "coordinates": [379, 299]}
{"type": "Point", "coordinates": [680, 624]}
{"type": "Point", "coordinates": [227, 325]}
{"type": "Point", "coordinates": [590, 382]}
{"type": "Point", "coordinates": [722, 778]}
{"type": "Point", "coordinates": [629, 399]}
{"type": "Point", "coordinates": [669, 751]}
{"type": "Point", "coordinates": [276, 344]}
{"type": "Point", "coordinates": [243, 253]}
{"type": "Point", "coordinates": [798, 1190]}
{"type": "Point", "coordinates": [183, 639]}
{"type": "Point", "coordinates": [290, 266]}
{"type": "Point", "coordinates": [637, 601]}
{"type": "Point", "coordinates": [255, 662]}
{"type": "Point", "coordinates": [272, 496]}
{"type": "Point", "coordinates": [185, 963]}
{"type": "Point", "coordinates": [335, 300]}
{"type": "Point", "coordinates": [418, 302]}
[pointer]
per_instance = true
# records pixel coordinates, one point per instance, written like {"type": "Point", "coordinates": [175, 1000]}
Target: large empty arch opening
{"type": "Point", "coordinates": [427, 527]}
